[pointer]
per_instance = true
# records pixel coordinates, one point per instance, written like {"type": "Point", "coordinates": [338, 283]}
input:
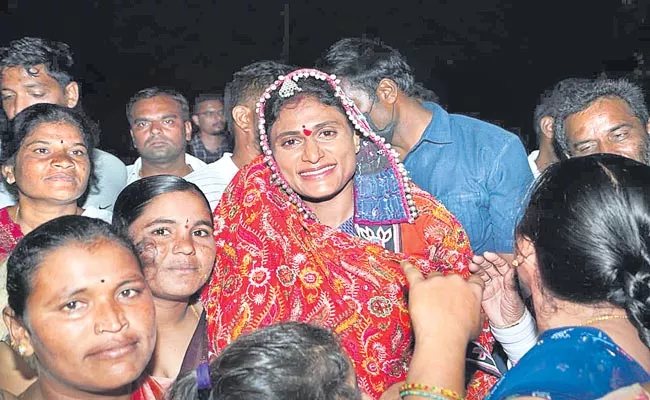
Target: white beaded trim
{"type": "Point", "coordinates": [356, 117]}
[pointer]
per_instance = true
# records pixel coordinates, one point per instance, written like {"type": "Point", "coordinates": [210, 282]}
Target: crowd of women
{"type": "Point", "coordinates": [165, 299]}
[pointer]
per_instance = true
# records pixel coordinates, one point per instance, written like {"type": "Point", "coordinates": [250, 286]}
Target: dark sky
{"type": "Point", "coordinates": [484, 56]}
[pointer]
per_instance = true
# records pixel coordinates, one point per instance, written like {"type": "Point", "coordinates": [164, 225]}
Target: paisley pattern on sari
{"type": "Point", "coordinates": [274, 265]}
{"type": "Point", "coordinates": [276, 262]}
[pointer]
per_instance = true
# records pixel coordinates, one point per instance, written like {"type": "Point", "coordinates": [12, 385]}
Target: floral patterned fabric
{"type": "Point", "coordinates": [274, 265]}
{"type": "Point", "coordinates": [148, 389]}
{"type": "Point", "coordinates": [10, 234]}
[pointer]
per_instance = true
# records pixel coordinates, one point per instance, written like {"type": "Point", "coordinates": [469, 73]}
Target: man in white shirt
{"type": "Point", "coordinates": [34, 70]}
{"type": "Point", "coordinates": [240, 96]}
{"type": "Point", "coordinates": [160, 128]}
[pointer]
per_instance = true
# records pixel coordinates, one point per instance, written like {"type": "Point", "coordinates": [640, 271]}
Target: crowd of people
{"type": "Point", "coordinates": [321, 232]}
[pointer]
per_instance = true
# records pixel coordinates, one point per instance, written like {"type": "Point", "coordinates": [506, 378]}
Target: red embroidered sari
{"type": "Point", "coordinates": [274, 265]}
{"type": "Point", "coordinates": [148, 389]}
{"type": "Point", "coordinates": [10, 234]}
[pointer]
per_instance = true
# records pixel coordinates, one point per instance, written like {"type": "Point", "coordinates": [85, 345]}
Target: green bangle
{"type": "Point", "coordinates": [422, 393]}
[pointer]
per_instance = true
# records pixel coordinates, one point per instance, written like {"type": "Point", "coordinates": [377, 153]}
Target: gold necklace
{"type": "Point", "coordinates": [603, 318]}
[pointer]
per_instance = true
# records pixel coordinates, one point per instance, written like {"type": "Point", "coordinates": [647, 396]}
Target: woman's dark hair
{"type": "Point", "coordinates": [134, 198]}
{"type": "Point", "coordinates": [31, 117]}
{"type": "Point", "coordinates": [290, 360]}
{"type": "Point", "coordinates": [589, 220]}
{"type": "Point", "coordinates": [310, 88]}
{"type": "Point", "coordinates": [25, 259]}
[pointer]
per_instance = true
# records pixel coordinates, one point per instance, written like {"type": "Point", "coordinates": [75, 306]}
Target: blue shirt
{"type": "Point", "coordinates": [478, 171]}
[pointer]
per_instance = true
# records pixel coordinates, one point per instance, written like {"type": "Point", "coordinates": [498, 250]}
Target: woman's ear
{"type": "Point", "coordinates": [357, 143]}
{"type": "Point", "coordinates": [8, 173]}
{"type": "Point", "coordinates": [20, 339]}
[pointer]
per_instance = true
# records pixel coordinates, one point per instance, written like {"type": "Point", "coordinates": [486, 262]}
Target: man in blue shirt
{"type": "Point", "coordinates": [478, 170]}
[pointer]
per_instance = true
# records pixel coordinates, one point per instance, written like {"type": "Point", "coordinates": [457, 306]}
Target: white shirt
{"type": "Point", "coordinates": [133, 170]}
{"type": "Point", "coordinates": [214, 178]}
{"type": "Point", "coordinates": [97, 213]}
{"type": "Point", "coordinates": [532, 157]}
{"type": "Point", "coordinates": [111, 179]}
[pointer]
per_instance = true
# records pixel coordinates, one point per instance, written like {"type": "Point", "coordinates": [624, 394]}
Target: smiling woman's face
{"type": "Point", "coordinates": [314, 147]}
{"type": "Point", "coordinates": [174, 235]}
{"type": "Point", "coordinates": [90, 319]}
{"type": "Point", "coordinates": [52, 164]}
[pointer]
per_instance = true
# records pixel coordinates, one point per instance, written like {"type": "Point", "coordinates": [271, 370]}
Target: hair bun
{"type": "Point", "coordinates": [634, 294]}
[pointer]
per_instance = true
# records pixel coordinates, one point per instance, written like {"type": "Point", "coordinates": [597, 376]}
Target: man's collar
{"type": "Point", "coordinates": [438, 130]}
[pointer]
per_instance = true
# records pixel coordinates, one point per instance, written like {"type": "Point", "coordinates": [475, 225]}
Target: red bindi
{"type": "Point", "coordinates": [306, 131]}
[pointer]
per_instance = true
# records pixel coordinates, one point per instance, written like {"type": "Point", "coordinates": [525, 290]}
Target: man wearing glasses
{"type": "Point", "coordinates": [212, 138]}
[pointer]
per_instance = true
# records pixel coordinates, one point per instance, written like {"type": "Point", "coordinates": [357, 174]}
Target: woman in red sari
{"type": "Point", "coordinates": [314, 230]}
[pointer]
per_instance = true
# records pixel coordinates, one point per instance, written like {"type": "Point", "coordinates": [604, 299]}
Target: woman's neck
{"type": "Point", "coordinates": [564, 313]}
{"type": "Point", "coordinates": [29, 213]}
{"type": "Point", "coordinates": [611, 320]}
{"type": "Point", "coordinates": [176, 322]}
{"type": "Point", "coordinates": [338, 209]}
{"type": "Point", "coordinates": [171, 313]}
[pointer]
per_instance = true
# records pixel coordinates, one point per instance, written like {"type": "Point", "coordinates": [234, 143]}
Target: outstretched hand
{"type": "Point", "coordinates": [501, 301]}
{"type": "Point", "coordinates": [444, 305]}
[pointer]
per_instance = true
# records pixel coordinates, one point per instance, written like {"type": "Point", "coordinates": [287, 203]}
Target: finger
{"type": "Point", "coordinates": [474, 267]}
{"type": "Point", "coordinates": [484, 277]}
{"type": "Point", "coordinates": [474, 279]}
{"type": "Point", "coordinates": [490, 270]}
{"type": "Point", "coordinates": [477, 286]}
{"type": "Point", "coordinates": [502, 262]}
{"type": "Point", "coordinates": [496, 259]}
{"type": "Point", "coordinates": [413, 275]}
{"type": "Point", "coordinates": [509, 279]}
{"type": "Point", "coordinates": [433, 274]}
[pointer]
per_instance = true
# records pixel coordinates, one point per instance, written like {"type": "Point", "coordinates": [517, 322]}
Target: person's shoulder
{"type": "Point", "coordinates": [430, 207]}
{"type": "Point", "coordinates": [488, 130]}
{"type": "Point", "coordinates": [5, 218]}
{"type": "Point", "coordinates": [194, 162]}
{"type": "Point", "coordinates": [98, 213]}
{"type": "Point", "coordinates": [107, 159]}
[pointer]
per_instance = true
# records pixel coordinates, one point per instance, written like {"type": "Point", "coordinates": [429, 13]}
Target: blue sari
{"type": "Point", "coordinates": [570, 363]}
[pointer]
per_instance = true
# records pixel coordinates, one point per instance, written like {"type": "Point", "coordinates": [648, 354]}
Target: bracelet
{"type": "Point", "coordinates": [429, 391]}
{"type": "Point", "coordinates": [422, 393]}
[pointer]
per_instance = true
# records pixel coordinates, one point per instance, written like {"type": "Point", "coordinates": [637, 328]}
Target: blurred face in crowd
{"type": "Point", "coordinates": [89, 319]}
{"type": "Point", "coordinates": [51, 164]}
{"type": "Point", "coordinates": [176, 246]}
{"type": "Point", "coordinates": [380, 115]}
{"type": "Point", "coordinates": [209, 117]}
{"type": "Point", "coordinates": [158, 131]}
{"type": "Point", "coordinates": [21, 88]}
{"type": "Point", "coordinates": [608, 125]}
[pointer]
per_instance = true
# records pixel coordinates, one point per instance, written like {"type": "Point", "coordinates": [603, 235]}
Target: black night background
{"type": "Point", "coordinates": [487, 58]}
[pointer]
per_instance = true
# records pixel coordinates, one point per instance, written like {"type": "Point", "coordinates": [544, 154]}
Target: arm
{"type": "Point", "coordinates": [443, 325]}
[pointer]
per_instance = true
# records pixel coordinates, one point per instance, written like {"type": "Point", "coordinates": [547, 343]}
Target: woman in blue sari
{"type": "Point", "coordinates": [583, 251]}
